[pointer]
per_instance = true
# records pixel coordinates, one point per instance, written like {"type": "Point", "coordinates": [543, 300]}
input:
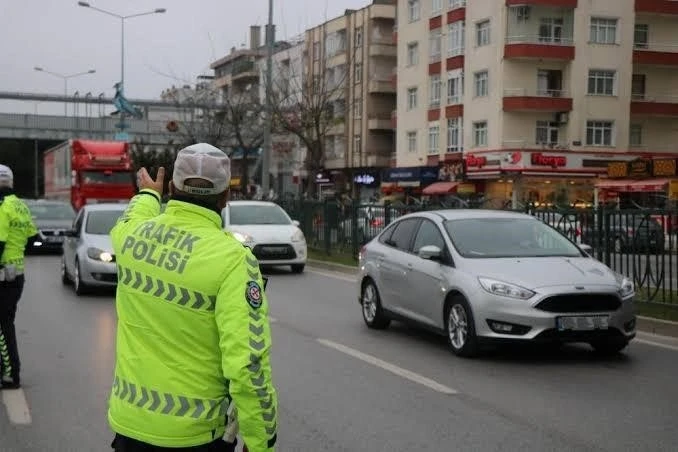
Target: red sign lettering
{"type": "Point", "coordinates": [475, 162]}
{"type": "Point", "coordinates": [548, 160]}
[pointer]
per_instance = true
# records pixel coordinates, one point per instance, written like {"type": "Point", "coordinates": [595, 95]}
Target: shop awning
{"type": "Point", "coordinates": [440, 188]}
{"type": "Point", "coordinates": [648, 185]}
{"type": "Point", "coordinates": [634, 185]}
{"type": "Point", "coordinates": [614, 185]}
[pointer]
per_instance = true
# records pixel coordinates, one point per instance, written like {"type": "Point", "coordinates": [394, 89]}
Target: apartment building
{"type": "Point", "coordinates": [538, 98]}
{"type": "Point", "coordinates": [353, 57]}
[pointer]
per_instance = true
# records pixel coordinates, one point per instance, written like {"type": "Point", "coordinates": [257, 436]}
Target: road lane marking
{"type": "Point", "coordinates": [334, 276]}
{"type": "Point", "coordinates": [17, 407]}
{"type": "Point", "coordinates": [657, 344]}
{"type": "Point", "coordinates": [404, 373]}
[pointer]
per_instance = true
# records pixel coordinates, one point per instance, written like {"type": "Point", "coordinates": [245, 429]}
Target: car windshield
{"type": "Point", "coordinates": [257, 214]}
{"type": "Point", "coordinates": [102, 221]}
{"type": "Point", "coordinates": [508, 237]}
{"type": "Point", "coordinates": [52, 211]}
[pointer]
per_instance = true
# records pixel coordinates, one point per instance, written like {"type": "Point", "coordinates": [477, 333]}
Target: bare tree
{"type": "Point", "coordinates": [304, 105]}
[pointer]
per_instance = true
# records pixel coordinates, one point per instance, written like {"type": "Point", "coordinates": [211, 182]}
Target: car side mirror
{"type": "Point", "coordinates": [296, 223]}
{"type": "Point", "coordinates": [588, 249]}
{"type": "Point", "coordinates": [431, 252]}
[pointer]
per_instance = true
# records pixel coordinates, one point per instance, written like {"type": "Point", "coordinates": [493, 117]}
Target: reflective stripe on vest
{"type": "Point", "coordinates": [170, 404]}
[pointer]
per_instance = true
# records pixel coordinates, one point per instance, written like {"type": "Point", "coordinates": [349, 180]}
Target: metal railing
{"type": "Point", "coordinates": [670, 98]}
{"type": "Point", "coordinates": [537, 39]}
{"type": "Point", "coordinates": [640, 244]}
{"type": "Point", "coordinates": [668, 47]}
{"type": "Point", "coordinates": [535, 92]}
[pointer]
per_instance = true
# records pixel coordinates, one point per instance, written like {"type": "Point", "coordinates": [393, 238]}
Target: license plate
{"type": "Point", "coordinates": [276, 249]}
{"type": "Point", "coordinates": [55, 239]}
{"type": "Point", "coordinates": [582, 323]}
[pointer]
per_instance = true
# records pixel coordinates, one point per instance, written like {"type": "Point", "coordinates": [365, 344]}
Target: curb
{"type": "Point", "coordinates": [644, 324]}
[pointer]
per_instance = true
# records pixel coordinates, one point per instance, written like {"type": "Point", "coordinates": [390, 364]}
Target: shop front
{"type": "Point", "coordinates": [642, 182]}
{"type": "Point", "coordinates": [365, 183]}
{"type": "Point", "coordinates": [538, 178]}
{"type": "Point", "coordinates": [404, 183]}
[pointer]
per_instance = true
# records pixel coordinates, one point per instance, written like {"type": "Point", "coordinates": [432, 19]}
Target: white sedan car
{"type": "Point", "coordinates": [265, 227]}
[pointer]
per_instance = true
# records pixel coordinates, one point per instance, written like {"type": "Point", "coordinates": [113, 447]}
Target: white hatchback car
{"type": "Point", "coordinates": [265, 227]}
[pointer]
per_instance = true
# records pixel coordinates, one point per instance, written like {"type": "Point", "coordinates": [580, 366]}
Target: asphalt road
{"type": "Point", "coordinates": [345, 388]}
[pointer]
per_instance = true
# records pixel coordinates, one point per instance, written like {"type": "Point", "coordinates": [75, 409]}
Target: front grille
{"type": "Point", "coordinates": [580, 303]}
{"type": "Point", "coordinates": [53, 232]}
{"type": "Point", "coordinates": [274, 251]}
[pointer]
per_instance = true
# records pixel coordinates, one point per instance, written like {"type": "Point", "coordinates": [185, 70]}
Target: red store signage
{"type": "Point", "coordinates": [475, 162]}
{"type": "Point", "coordinates": [539, 159]}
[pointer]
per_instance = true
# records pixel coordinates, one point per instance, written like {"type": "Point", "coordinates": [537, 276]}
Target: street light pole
{"type": "Point", "coordinates": [266, 151]}
{"type": "Point", "coordinates": [65, 78]}
{"type": "Point", "coordinates": [122, 44]}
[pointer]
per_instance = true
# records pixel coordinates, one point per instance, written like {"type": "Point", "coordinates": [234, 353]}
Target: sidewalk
{"type": "Point", "coordinates": [644, 324]}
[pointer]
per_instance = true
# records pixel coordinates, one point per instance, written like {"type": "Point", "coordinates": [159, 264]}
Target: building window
{"type": "Point", "coordinates": [641, 35]}
{"type": "Point", "coordinates": [635, 135]}
{"type": "Point", "coordinates": [601, 83]}
{"type": "Point", "coordinates": [357, 109]}
{"type": "Point", "coordinates": [358, 75]}
{"type": "Point", "coordinates": [412, 141]}
{"type": "Point", "coordinates": [434, 139]}
{"type": "Point", "coordinates": [434, 45]}
{"type": "Point", "coordinates": [435, 83]}
{"type": "Point", "coordinates": [454, 4]}
{"type": "Point", "coordinates": [413, 10]}
{"type": "Point", "coordinates": [551, 29]}
{"type": "Point", "coordinates": [316, 51]}
{"type": "Point", "coordinates": [455, 86]}
{"type": "Point", "coordinates": [412, 54]}
{"type": "Point", "coordinates": [603, 31]}
{"type": "Point", "coordinates": [480, 134]}
{"type": "Point", "coordinates": [357, 144]}
{"type": "Point", "coordinates": [638, 87]}
{"type": "Point", "coordinates": [483, 33]}
{"type": "Point", "coordinates": [599, 133]}
{"type": "Point", "coordinates": [412, 98]}
{"type": "Point", "coordinates": [455, 135]}
{"type": "Point", "coordinates": [455, 38]}
{"type": "Point", "coordinates": [480, 80]}
{"type": "Point", "coordinates": [547, 133]}
{"type": "Point", "coordinates": [358, 39]}
{"type": "Point", "coordinates": [436, 7]}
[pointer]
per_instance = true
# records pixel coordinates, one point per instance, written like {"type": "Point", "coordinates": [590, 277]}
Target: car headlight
{"type": "Point", "coordinates": [242, 237]}
{"type": "Point", "coordinates": [298, 236]}
{"type": "Point", "coordinates": [99, 255]}
{"type": "Point", "coordinates": [505, 289]}
{"type": "Point", "coordinates": [626, 288]}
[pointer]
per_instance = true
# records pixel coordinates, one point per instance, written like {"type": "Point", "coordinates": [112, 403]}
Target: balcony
{"type": "Point", "coordinates": [655, 54]}
{"type": "Point", "coordinates": [660, 105]}
{"type": "Point", "coordinates": [539, 48]}
{"type": "Point", "coordinates": [381, 85]}
{"type": "Point", "coordinates": [244, 70]}
{"type": "Point", "coordinates": [669, 7]}
{"type": "Point", "coordinates": [549, 3]}
{"type": "Point", "coordinates": [520, 99]}
{"type": "Point", "coordinates": [383, 47]}
{"type": "Point", "coordinates": [379, 121]}
{"type": "Point", "coordinates": [381, 12]}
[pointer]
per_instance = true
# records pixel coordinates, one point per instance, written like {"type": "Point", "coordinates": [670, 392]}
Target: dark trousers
{"type": "Point", "coordinates": [125, 444]}
{"type": "Point", "coordinates": [10, 293]}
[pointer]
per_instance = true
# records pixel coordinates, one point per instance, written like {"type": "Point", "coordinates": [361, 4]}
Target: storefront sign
{"type": "Point", "coordinates": [617, 170]}
{"type": "Point", "coordinates": [323, 178]}
{"type": "Point", "coordinates": [475, 162]}
{"type": "Point", "coordinates": [451, 171]}
{"type": "Point", "coordinates": [641, 168]}
{"type": "Point", "coordinates": [422, 174]}
{"type": "Point", "coordinates": [554, 161]}
{"type": "Point", "coordinates": [664, 167]}
{"type": "Point", "coordinates": [364, 179]}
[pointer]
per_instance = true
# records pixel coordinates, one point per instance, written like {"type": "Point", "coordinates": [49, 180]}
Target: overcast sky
{"type": "Point", "coordinates": [62, 37]}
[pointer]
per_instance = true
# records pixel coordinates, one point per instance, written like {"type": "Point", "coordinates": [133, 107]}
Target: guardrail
{"type": "Point", "coordinates": [641, 244]}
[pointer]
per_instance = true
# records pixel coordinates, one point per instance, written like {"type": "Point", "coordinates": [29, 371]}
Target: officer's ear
{"type": "Point", "coordinates": [223, 199]}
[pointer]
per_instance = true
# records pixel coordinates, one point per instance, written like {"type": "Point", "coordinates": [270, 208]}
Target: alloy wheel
{"type": "Point", "coordinates": [458, 326]}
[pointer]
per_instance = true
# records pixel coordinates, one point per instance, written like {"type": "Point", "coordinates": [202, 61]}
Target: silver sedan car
{"type": "Point", "coordinates": [88, 259]}
{"type": "Point", "coordinates": [486, 276]}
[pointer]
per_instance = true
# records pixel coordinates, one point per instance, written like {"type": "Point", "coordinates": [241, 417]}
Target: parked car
{"type": "Point", "coordinates": [53, 219]}
{"type": "Point", "coordinates": [265, 227]}
{"type": "Point", "coordinates": [487, 276]}
{"type": "Point", "coordinates": [369, 222]}
{"type": "Point", "coordinates": [88, 260]}
{"type": "Point", "coordinates": [625, 233]}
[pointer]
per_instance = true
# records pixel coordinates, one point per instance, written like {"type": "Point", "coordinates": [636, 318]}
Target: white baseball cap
{"type": "Point", "coordinates": [202, 161]}
{"type": "Point", "coordinates": [6, 177]}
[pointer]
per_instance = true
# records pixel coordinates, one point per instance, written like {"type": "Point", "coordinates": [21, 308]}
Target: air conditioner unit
{"type": "Point", "coordinates": [561, 117]}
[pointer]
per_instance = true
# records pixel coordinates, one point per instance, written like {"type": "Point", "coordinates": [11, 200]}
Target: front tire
{"type": "Point", "coordinates": [79, 286]}
{"type": "Point", "coordinates": [373, 314]}
{"type": "Point", "coordinates": [460, 328]}
{"type": "Point", "coordinates": [65, 280]}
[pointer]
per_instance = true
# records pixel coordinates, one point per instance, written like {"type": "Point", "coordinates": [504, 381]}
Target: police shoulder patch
{"type": "Point", "coordinates": [253, 294]}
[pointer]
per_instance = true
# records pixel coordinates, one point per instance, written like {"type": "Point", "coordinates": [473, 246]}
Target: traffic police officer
{"type": "Point", "coordinates": [16, 227]}
{"type": "Point", "coordinates": [193, 336]}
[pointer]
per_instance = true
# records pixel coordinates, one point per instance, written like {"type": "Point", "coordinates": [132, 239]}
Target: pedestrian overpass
{"type": "Point", "coordinates": [102, 127]}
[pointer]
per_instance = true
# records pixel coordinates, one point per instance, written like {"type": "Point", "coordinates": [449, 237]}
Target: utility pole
{"type": "Point", "coordinates": [266, 151]}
